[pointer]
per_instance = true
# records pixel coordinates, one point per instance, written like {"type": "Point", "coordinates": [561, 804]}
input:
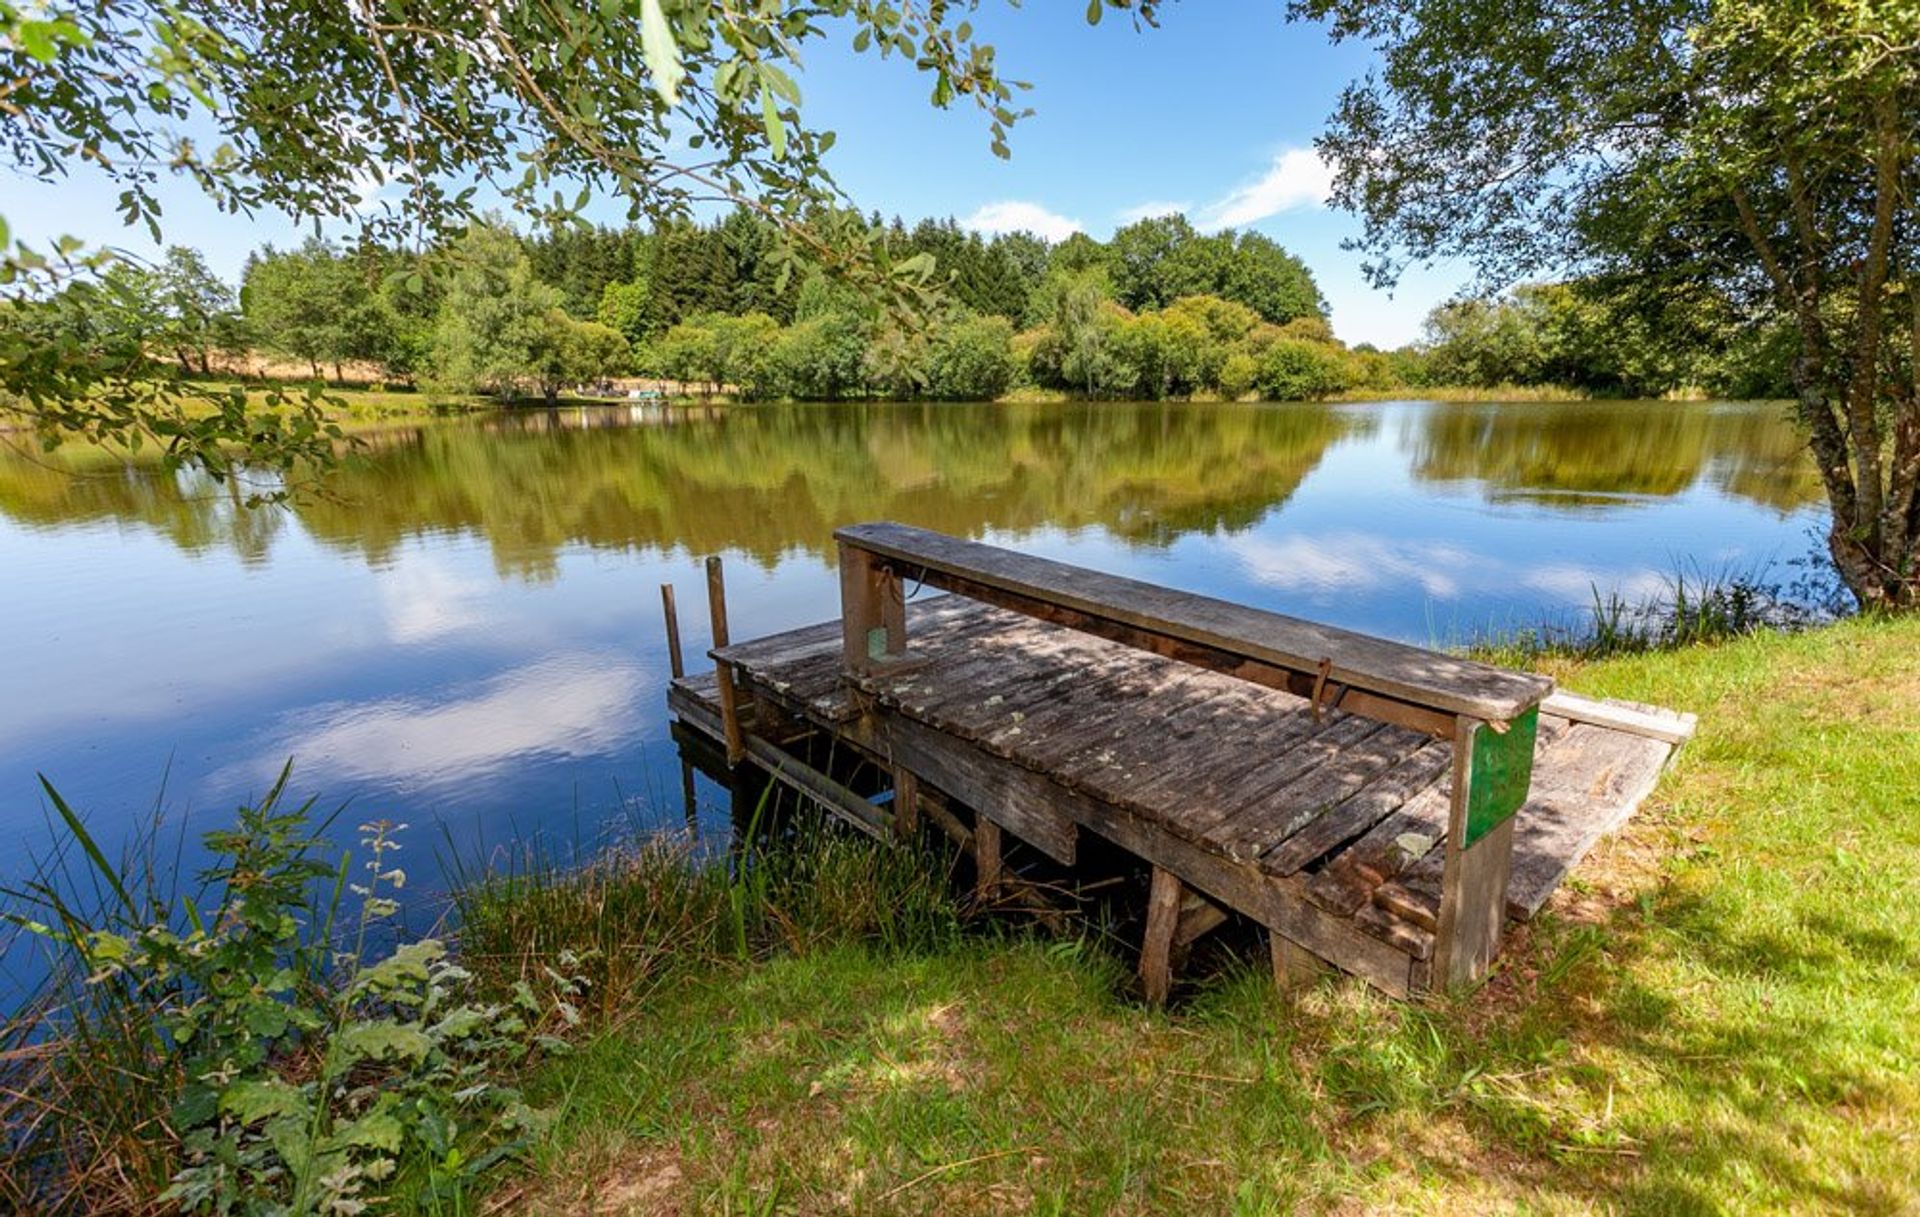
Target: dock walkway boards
{"type": "Point", "coordinates": [1327, 827]}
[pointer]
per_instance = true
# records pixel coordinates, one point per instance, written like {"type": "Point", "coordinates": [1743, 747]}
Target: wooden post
{"type": "Point", "coordinates": [1492, 769]}
{"type": "Point", "coordinates": [906, 804]}
{"type": "Point", "coordinates": [729, 696]}
{"type": "Point", "coordinates": [873, 611]}
{"type": "Point", "coordinates": [986, 858]}
{"type": "Point", "coordinates": [1294, 967]}
{"type": "Point", "coordinates": [1156, 946]}
{"type": "Point", "coordinates": [674, 660]}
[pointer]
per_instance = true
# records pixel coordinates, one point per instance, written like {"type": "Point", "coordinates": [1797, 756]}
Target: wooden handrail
{"type": "Point", "coordinates": [1368, 675]}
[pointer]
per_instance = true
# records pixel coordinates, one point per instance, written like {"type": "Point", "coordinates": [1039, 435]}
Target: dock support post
{"type": "Point", "coordinates": [1156, 947]}
{"type": "Point", "coordinates": [987, 867]}
{"type": "Point", "coordinates": [1294, 967]}
{"type": "Point", "coordinates": [1492, 769]}
{"type": "Point", "coordinates": [674, 660]}
{"type": "Point", "coordinates": [729, 696]}
{"type": "Point", "coordinates": [873, 611]}
{"type": "Point", "coordinates": [906, 804]}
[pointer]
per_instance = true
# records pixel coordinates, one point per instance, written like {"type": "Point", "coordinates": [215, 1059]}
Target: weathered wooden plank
{"type": "Point", "coordinates": [1398, 839]}
{"type": "Point", "coordinates": [1215, 775]}
{"type": "Point", "coordinates": [977, 779]}
{"type": "Point", "coordinates": [1331, 694]}
{"type": "Point", "coordinates": [1654, 723]}
{"type": "Point", "coordinates": [1556, 831]}
{"type": "Point", "coordinates": [1425, 678]}
{"type": "Point", "coordinates": [1280, 812]}
{"type": "Point", "coordinates": [1125, 751]}
{"type": "Point", "coordinates": [787, 769]}
{"type": "Point", "coordinates": [1585, 786]}
{"type": "Point", "coordinates": [1259, 776]}
{"type": "Point", "coordinates": [1294, 967]}
{"type": "Point", "coordinates": [1156, 943]}
{"type": "Point", "coordinates": [1199, 917]}
{"type": "Point", "coordinates": [1359, 811]}
{"type": "Point", "coordinates": [1416, 940]}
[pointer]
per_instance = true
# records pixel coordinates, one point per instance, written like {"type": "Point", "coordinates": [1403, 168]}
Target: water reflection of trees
{"type": "Point", "coordinates": [1567, 456]}
{"type": "Point", "coordinates": [191, 510]}
{"type": "Point", "coordinates": [762, 481]}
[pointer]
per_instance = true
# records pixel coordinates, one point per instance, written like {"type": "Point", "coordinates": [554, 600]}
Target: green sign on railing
{"type": "Point", "coordinates": [1502, 771]}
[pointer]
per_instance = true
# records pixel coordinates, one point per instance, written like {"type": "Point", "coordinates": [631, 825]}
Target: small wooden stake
{"type": "Point", "coordinates": [986, 858]}
{"type": "Point", "coordinates": [729, 696]}
{"type": "Point", "coordinates": [674, 660]}
{"type": "Point", "coordinates": [1156, 947]}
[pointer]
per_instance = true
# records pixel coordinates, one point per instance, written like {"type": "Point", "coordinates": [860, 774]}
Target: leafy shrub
{"type": "Point", "coordinates": [973, 360]}
{"type": "Point", "coordinates": [285, 1071]}
{"type": "Point", "coordinates": [1297, 370]}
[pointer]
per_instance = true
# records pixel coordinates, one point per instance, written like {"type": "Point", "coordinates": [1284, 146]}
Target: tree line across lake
{"type": "Point", "coordinates": [1159, 310]}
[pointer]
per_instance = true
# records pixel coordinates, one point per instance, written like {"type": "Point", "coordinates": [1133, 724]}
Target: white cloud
{"type": "Point", "coordinates": [1153, 208]}
{"type": "Point", "coordinates": [423, 601]}
{"type": "Point", "coordinates": [1581, 585]}
{"type": "Point", "coordinates": [573, 705]}
{"type": "Point", "coordinates": [1325, 566]}
{"type": "Point", "coordinates": [1012, 215]}
{"type": "Point", "coordinates": [1298, 178]}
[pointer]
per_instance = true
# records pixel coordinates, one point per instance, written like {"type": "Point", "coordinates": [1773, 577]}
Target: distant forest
{"type": "Point", "coordinates": [1159, 310]}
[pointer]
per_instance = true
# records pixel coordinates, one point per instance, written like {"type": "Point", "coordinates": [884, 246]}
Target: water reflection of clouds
{"type": "Point", "coordinates": [423, 601]}
{"type": "Point", "coordinates": [568, 706]}
{"type": "Point", "coordinates": [1352, 561]}
{"type": "Point", "coordinates": [1573, 584]}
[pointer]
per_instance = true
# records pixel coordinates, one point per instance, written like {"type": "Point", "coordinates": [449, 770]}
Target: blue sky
{"type": "Point", "coordinates": [1214, 113]}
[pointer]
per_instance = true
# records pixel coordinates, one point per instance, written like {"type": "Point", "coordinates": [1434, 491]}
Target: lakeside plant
{"type": "Point", "coordinates": [641, 912]}
{"type": "Point", "coordinates": [1693, 608]}
{"type": "Point", "coordinates": [229, 1052]}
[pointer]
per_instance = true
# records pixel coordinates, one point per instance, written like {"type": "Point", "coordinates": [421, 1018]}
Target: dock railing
{"type": "Point", "coordinates": [1490, 714]}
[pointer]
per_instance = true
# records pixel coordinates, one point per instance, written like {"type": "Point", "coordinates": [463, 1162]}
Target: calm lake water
{"type": "Point", "coordinates": [465, 631]}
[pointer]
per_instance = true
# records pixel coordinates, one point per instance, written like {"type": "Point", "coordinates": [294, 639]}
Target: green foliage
{"type": "Point", "coordinates": [1157, 260]}
{"type": "Point", "coordinates": [627, 309]}
{"type": "Point", "coordinates": [1601, 337]}
{"type": "Point", "coordinates": [643, 913]}
{"type": "Point", "coordinates": [973, 360]}
{"type": "Point", "coordinates": [493, 329]}
{"type": "Point", "coordinates": [318, 305]}
{"type": "Point", "coordinates": [821, 357]}
{"type": "Point", "coordinates": [287, 1070]}
{"type": "Point", "coordinates": [1744, 155]}
{"type": "Point", "coordinates": [298, 106]}
{"type": "Point", "coordinates": [1297, 369]}
{"type": "Point", "coordinates": [577, 353]}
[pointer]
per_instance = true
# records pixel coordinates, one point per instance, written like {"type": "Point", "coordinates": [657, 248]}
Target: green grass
{"type": "Point", "coordinates": [1720, 1013]}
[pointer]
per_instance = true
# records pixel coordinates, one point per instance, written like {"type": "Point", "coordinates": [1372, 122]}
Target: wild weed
{"type": "Point", "coordinates": [243, 1056]}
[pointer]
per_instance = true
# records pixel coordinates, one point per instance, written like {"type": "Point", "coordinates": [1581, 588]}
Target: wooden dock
{"type": "Point", "coordinates": [1379, 807]}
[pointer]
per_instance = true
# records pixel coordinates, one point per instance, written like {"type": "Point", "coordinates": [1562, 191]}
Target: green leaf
{"type": "Point", "coordinates": [661, 51]}
{"type": "Point", "coordinates": [381, 1039]}
{"type": "Point", "coordinates": [1093, 12]}
{"type": "Point", "coordinates": [251, 1100]}
{"type": "Point", "coordinates": [378, 1129]}
{"type": "Point", "coordinates": [776, 130]}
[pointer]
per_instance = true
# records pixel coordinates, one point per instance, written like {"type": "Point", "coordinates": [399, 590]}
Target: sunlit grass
{"type": "Point", "coordinates": [1720, 1013]}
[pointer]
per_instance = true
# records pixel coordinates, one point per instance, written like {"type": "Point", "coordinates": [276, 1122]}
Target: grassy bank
{"type": "Point", "coordinates": [1719, 1014]}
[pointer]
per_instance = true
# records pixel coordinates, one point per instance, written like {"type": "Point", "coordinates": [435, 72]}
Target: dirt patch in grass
{"type": "Point", "coordinates": [639, 1181]}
